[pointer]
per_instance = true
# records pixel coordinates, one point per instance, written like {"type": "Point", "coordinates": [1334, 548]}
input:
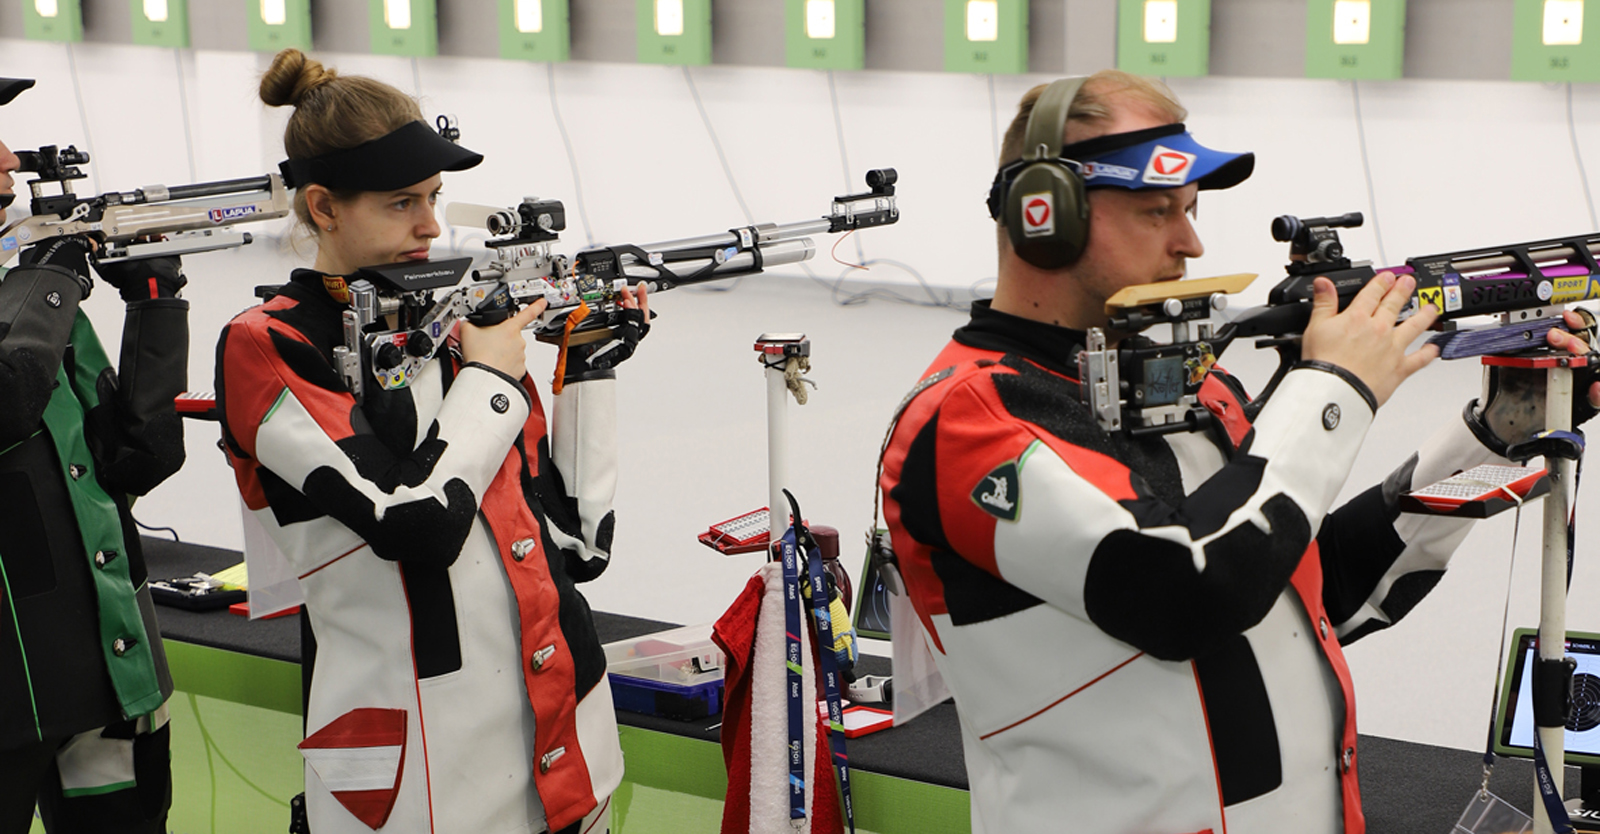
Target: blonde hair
{"type": "Point", "coordinates": [332, 112]}
{"type": "Point", "coordinates": [1091, 108]}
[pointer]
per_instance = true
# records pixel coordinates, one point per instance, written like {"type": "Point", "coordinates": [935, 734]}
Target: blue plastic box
{"type": "Point", "coordinates": [672, 674]}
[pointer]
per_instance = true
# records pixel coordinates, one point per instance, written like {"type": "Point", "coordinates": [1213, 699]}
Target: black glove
{"type": "Point", "coordinates": [70, 253]}
{"type": "Point", "coordinates": [1513, 401]}
{"type": "Point", "coordinates": [144, 279]}
{"type": "Point", "coordinates": [594, 360]}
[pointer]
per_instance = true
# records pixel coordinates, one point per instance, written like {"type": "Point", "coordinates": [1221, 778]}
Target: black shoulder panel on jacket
{"type": "Point", "coordinates": [973, 595]}
{"type": "Point", "coordinates": [917, 493]}
{"type": "Point", "coordinates": [306, 362]}
{"type": "Point", "coordinates": [1145, 591]}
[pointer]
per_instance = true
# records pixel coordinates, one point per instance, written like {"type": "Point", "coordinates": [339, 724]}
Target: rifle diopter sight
{"type": "Point", "coordinates": [532, 221]}
{"type": "Point", "coordinates": [52, 164]}
{"type": "Point", "coordinates": [1314, 243]}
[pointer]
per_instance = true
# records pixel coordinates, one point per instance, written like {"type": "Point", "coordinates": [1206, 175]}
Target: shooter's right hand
{"type": "Point", "coordinates": [500, 346]}
{"type": "Point", "coordinates": [1364, 340]}
{"type": "Point", "coordinates": [69, 253]}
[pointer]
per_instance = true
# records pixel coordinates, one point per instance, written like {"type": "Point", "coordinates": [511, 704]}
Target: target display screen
{"type": "Point", "coordinates": [872, 606]}
{"type": "Point", "coordinates": [1514, 723]}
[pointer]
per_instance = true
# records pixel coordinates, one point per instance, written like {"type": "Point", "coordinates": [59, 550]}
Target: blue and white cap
{"type": "Point", "coordinates": [1157, 157]}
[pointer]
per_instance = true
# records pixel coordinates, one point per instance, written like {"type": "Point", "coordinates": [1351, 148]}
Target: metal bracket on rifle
{"type": "Point", "coordinates": [1145, 387]}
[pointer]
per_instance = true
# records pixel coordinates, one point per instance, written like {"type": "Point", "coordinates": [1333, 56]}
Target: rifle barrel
{"type": "Point", "coordinates": [201, 189]}
{"type": "Point", "coordinates": [765, 233]}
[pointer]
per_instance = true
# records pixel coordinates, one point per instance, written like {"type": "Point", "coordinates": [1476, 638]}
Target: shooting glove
{"type": "Point", "coordinates": [1514, 398]}
{"type": "Point", "coordinates": [594, 360]}
{"type": "Point", "coordinates": [68, 254]}
{"type": "Point", "coordinates": [144, 279]}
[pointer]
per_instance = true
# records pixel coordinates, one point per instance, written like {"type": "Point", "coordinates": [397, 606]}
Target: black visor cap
{"type": "Point", "coordinates": [403, 157]}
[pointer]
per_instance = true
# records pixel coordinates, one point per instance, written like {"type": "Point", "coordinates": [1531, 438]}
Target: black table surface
{"type": "Point", "coordinates": [1406, 787]}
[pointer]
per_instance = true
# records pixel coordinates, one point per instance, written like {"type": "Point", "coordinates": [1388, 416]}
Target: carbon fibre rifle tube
{"type": "Point", "coordinates": [772, 254]}
{"type": "Point", "coordinates": [202, 189]}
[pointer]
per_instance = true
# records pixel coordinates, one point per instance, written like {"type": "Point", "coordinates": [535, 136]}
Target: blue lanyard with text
{"type": "Point", "coordinates": [830, 673]}
{"type": "Point", "coordinates": [794, 683]}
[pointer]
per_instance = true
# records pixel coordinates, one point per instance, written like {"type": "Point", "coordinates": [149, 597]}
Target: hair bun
{"type": "Point", "coordinates": [292, 76]}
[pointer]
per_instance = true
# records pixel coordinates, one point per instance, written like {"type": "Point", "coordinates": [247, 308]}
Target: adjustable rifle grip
{"type": "Point", "coordinates": [495, 308]}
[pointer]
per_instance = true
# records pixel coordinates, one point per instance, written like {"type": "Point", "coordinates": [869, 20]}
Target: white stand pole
{"type": "Point", "coordinates": [1553, 575]}
{"type": "Point", "coordinates": [776, 351]}
{"type": "Point", "coordinates": [777, 451]}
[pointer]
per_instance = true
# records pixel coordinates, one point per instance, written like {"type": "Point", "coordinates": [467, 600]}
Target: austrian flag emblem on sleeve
{"type": "Point", "coordinates": [999, 492]}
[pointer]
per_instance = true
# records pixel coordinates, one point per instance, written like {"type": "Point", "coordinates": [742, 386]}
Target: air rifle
{"type": "Point", "coordinates": [131, 224]}
{"type": "Point", "coordinates": [586, 289]}
{"type": "Point", "coordinates": [1525, 284]}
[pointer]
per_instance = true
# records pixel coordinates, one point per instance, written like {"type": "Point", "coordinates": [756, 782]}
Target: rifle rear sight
{"type": "Point", "coordinates": [532, 221]}
{"type": "Point", "coordinates": [1313, 243]}
{"type": "Point", "coordinates": [53, 164]}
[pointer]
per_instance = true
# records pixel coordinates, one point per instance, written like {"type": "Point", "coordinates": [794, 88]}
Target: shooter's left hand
{"type": "Point", "coordinates": [594, 360]}
{"type": "Point", "coordinates": [1515, 397]}
{"type": "Point", "coordinates": [144, 279]}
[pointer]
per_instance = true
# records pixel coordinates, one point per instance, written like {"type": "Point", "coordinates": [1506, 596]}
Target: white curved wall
{"type": "Point", "coordinates": [1454, 164]}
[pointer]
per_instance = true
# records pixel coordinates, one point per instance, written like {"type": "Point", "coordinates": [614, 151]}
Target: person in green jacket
{"type": "Point", "coordinates": [83, 678]}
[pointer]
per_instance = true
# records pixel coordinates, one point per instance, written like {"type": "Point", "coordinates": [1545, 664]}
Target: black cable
{"type": "Point", "coordinates": [844, 155]}
{"type": "Point", "coordinates": [936, 297]}
{"type": "Point", "coordinates": [994, 120]}
{"type": "Point", "coordinates": [727, 169]}
{"type": "Point", "coordinates": [155, 529]}
{"type": "Point", "coordinates": [83, 116]}
{"type": "Point", "coordinates": [183, 103]}
{"type": "Point", "coordinates": [850, 299]}
{"type": "Point", "coordinates": [1366, 167]}
{"type": "Point", "coordinates": [1577, 156]}
{"type": "Point", "coordinates": [572, 158]}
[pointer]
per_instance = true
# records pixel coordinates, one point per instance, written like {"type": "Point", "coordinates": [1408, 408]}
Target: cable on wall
{"type": "Point", "coordinates": [716, 144]}
{"type": "Point", "coordinates": [572, 158]}
{"type": "Point", "coordinates": [994, 121]}
{"type": "Point", "coordinates": [844, 155]}
{"type": "Point", "coordinates": [416, 78]}
{"type": "Point", "coordinates": [183, 104]}
{"type": "Point", "coordinates": [1577, 156]}
{"type": "Point", "coordinates": [834, 286]}
{"type": "Point", "coordinates": [1366, 168]}
{"type": "Point", "coordinates": [83, 117]}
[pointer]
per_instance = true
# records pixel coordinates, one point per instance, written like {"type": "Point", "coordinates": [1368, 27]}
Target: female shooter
{"type": "Point", "coordinates": [438, 533]}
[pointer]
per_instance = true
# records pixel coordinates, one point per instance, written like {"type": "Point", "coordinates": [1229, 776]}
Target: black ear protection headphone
{"type": "Point", "coordinates": [1041, 196]}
